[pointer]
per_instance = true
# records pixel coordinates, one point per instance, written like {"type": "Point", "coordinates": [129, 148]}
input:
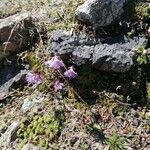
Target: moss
{"type": "Point", "coordinates": [142, 58]}
{"type": "Point", "coordinates": [2, 55]}
{"type": "Point", "coordinates": [23, 142]}
{"type": "Point", "coordinates": [136, 11]}
{"type": "Point", "coordinates": [34, 62]}
{"type": "Point", "coordinates": [42, 142]}
{"type": "Point", "coordinates": [43, 87]}
{"type": "Point", "coordinates": [148, 91]}
{"type": "Point", "coordinates": [41, 129]}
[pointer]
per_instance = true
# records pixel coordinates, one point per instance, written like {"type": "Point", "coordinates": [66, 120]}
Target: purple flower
{"type": "Point", "coordinates": [33, 78]}
{"type": "Point", "coordinates": [55, 63]}
{"type": "Point", "coordinates": [70, 73]}
{"type": "Point", "coordinates": [58, 86]}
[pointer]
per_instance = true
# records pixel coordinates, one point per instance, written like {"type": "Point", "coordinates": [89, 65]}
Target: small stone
{"type": "Point", "coordinates": [27, 104]}
{"type": "Point", "coordinates": [30, 147]}
{"type": "Point", "coordinates": [11, 133]}
{"type": "Point", "coordinates": [32, 101]}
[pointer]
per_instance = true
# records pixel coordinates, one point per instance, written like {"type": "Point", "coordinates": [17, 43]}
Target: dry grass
{"type": "Point", "coordinates": [59, 14]}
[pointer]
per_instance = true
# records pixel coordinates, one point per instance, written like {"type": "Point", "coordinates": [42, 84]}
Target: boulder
{"type": "Point", "coordinates": [110, 54]}
{"type": "Point", "coordinates": [118, 57]}
{"type": "Point", "coordinates": [12, 83]}
{"type": "Point", "coordinates": [17, 32]}
{"type": "Point", "coordinates": [100, 13]}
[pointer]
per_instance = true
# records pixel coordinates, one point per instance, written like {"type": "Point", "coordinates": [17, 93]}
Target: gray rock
{"type": "Point", "coordinates": [32, 101]}
{"type": "Point", "coordinates": [116, 57]}
{"type": "Point", "coordinates": [76, 48]}
{"type": "Point", "coordinates": [112, 54]}
{"type": "Point", "coordinates": [30, 147]}
{"type": "Point", "coordinates": [11, 132]}
{"type": "Point", "coordinates": [2, 125]}
{"type": "Point", "coordinates": [27, 104]}
{"type": "Point", "coordinates": [5, 88]}
{"type": "Point", "coordinates": [100, 12]}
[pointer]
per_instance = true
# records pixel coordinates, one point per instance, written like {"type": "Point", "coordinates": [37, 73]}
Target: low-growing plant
{"type": "Point", "coordinates": [50, 76]}
{"type": "Point", "coordinates": [142, 58]}
{"type": "Point", "coordinates": [40, 130]}
{"type": "Point", "coordinates": [116, 142]}
{"type": "Point", "coordinates": [95, 130]}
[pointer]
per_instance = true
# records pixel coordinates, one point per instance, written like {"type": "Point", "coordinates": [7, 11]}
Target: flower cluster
{"type": "Point", "coordinates": [70, 73]}
{"type": "Point", "coordinates": [55, 63]}
{"type": "Point", "coordinates": [34, 78]}
{"type": "Point", "coordinates": [58, 86]}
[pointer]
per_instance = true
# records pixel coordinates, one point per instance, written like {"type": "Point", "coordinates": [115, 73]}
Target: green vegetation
{"type": "Point", "coordinates": [136, 11]}
{"type": "Point", "coordinates": [40, 129]}
{"type": "Point", "coordinates": [116, 142]}
{"type": "Point", "coordinates": [61, 13]}
{"type": "Point", "coordinates": [142, 58]}
{"type": "Point", "coordinates": [65, 15]}
{"type": "Point", "coordinates": [95, 130]}
{"type": "Point", "coordinates": [148, 90]}
{"type": "Point", "coordinates": [9, 7]}
{"type": "Point", "coordinates": [78, 125]}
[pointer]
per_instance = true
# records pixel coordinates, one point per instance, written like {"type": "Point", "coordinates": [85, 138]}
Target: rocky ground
{"type": "Point", "coordinates": [107, 107]}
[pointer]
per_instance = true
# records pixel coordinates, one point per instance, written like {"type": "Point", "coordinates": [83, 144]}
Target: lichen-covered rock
{"type": "Point", "coordinates": [100, 12]}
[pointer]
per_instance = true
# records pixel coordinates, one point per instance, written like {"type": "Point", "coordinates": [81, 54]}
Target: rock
{"type": "Point", "coordinates": [12, 83]}
{"type": "Point", "coordinates": [118, 57]}
{"type": "Point", "coordinates": [11, 132]}
{"type": "Point", "coordinates": [30, 147]}
{"type": "Point", "coordinates": [111, 54]}
{"type": "Point", "coordinates": [31, 101]}
{"type": "Point", "coordinates": [80, 46]}
{"type": "Point", "coordinates": [8, 140]}
{"type": "Point", "coordinates": [27, 104]}
{"type": "Point", "coordinates": [17, 32]}
{"type": "Point", "coordinates": [100, 12]}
